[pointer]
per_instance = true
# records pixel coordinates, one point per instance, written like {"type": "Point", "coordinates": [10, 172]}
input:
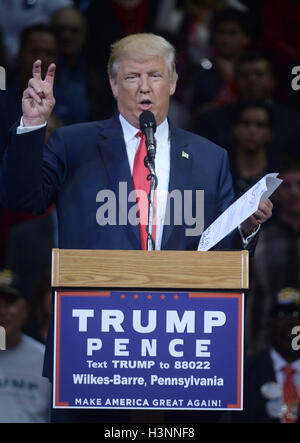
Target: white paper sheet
{"type": "Point", "coordinates": [239, 211]}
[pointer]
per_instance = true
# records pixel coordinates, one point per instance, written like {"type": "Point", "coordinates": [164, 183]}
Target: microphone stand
{"type": "Point", "coordinates": [149, 163]}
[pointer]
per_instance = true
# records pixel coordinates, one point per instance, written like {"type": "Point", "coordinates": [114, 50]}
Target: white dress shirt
{"type": "Point", "coordinates": [279, 363]}
{"type": "Point", "coordinates": [162, 166]}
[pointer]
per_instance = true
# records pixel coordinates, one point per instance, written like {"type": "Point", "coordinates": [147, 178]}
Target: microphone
{"type": "Point", "coordinates": [148, 128]}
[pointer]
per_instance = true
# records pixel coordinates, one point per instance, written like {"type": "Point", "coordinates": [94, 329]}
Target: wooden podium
{"type": "Point", "coordinates": [122, 270]}
{"type": "Point", "coordinates": [156, 269]}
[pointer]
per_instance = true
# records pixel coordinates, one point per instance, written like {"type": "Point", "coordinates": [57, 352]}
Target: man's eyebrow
{"type": "Point", "coordinates": [131, 73]}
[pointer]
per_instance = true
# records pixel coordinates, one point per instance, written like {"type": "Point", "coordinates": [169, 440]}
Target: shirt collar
{"type": "Point", "coordinates": [280, 362]}
{"type": "Point", "coordinates": [129, 131]}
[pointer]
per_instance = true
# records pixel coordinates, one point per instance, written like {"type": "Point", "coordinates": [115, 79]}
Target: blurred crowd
{"type": "Point", "coordinates": [235, 60]}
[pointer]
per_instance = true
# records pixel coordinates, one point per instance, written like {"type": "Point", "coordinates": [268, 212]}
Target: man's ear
{"type": "Point", "coordinates": [173, 87]}
{"type": "Point", "coordinates": [114, 87]}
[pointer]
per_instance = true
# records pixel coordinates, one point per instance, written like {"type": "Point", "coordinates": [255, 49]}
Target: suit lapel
{"type": "Point", "coordinates": [113, 153]}
{"type": "Point", "coordinates": [114, 156]}
{"type": "Point", "coordinates": [181, 163]}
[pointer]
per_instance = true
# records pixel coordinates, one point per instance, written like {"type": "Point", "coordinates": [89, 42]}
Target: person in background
{"type": "Point", "coordinates": [40, 307]}
{"type": "Point", "coordinates": [280, 35]}
{"type": "Point", "coordinates": [272, 376]}
{"type": "Point", "coordinates": [74, 74]}
{"type": "Point", "coordinates": [16, 15]}
{"type": "Point", "coordinates": [256, 81]}
{"type": "Point", "coordinates": [38, 41]}
{"type": "Point", "coordinates": [276, 262]}
{"type": "Point", "coordinates": [214, 82]}
{"type": "Point", "coordinates": [249, 157]}
{"type": "Point", "coordinates": [3, 55]}
{"type": "Point", "coordinates": [108, 21]}
{"type": "Point", "coordinates": [188, 27]}
{"type": "Point", "coordinates": [28, 248]}
{"type": "Point", "coordinates": [24, 393]}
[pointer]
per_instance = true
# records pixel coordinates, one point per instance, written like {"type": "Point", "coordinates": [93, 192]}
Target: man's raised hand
{"type": "Point", "coordinates": [38, 100]}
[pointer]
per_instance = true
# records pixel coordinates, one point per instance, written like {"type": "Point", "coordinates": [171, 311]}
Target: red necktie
{"type": "Point", "coordinates": [142, 188]}
{"type": "Point", "coordinates": [290, 396]}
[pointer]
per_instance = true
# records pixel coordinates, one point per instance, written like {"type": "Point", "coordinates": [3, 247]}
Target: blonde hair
{"type": "Point", "coordinates": [141, 47]}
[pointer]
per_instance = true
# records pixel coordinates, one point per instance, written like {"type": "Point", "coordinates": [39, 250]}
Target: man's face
{"type": "Point", "coordinates": [70, 31]}
{"type": "Point", "coordinates": [230, 39]}
{"type": "Point", "coordinates": [255, 80]}
{"type": "Point", "coordinates": [13, 314]}
{"type": "Point", "coordinates": [142, 86]}
{"type": "Point", "coordinates": [288, 193]}
{"type": "Point", "coordinates": [39, 45]}
{"type": "Point", "coordinates": [253, 129]}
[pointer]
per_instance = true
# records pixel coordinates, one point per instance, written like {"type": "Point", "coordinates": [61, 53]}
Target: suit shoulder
{"type": "Point", "coordinates": [77, 128]}
{"type": "Point", "coordinates": [201, 143]}
{"type": "Point", "coordinates": [81, 129]}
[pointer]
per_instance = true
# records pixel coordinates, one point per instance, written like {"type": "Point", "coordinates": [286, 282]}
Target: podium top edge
{"type": "Point", "coordinates": [137, 268]}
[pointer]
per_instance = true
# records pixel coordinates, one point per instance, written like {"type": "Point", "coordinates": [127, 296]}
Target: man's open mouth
{"type": "Point", "coordinates": [145, 104]}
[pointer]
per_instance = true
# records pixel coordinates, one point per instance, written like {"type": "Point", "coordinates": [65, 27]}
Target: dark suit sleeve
{"type": "Point", "coordinates": [31, 173]}
{"type": "Point", "coordinates": [225, 187]}
{"type": "Point", "coordinates": [225, 197]}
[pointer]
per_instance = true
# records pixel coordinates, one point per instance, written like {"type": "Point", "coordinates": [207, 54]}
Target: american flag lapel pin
{"type": "Point", "coordinates": [185, 155]}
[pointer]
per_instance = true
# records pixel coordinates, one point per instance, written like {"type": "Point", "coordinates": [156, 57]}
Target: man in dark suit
{"type": "Point", "coordinates": [265, 394]}
{"type": "Point", "coordinates": [82, 161]}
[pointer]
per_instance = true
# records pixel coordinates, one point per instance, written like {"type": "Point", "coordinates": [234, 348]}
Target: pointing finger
{"type": "Point", "coordinates": [50, 74]}
{"type": "Point", "coordinates": [36, 69]}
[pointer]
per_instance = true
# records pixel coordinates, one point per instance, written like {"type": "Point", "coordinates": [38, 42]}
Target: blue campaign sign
{"type": "Point", "coordinates": [148, 350]}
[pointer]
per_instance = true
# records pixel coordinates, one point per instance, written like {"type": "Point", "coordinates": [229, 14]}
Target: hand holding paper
{"type": "Point", "coordinates": [260, 216]}
{"type": "Point", "coordinates": [251, 209]}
